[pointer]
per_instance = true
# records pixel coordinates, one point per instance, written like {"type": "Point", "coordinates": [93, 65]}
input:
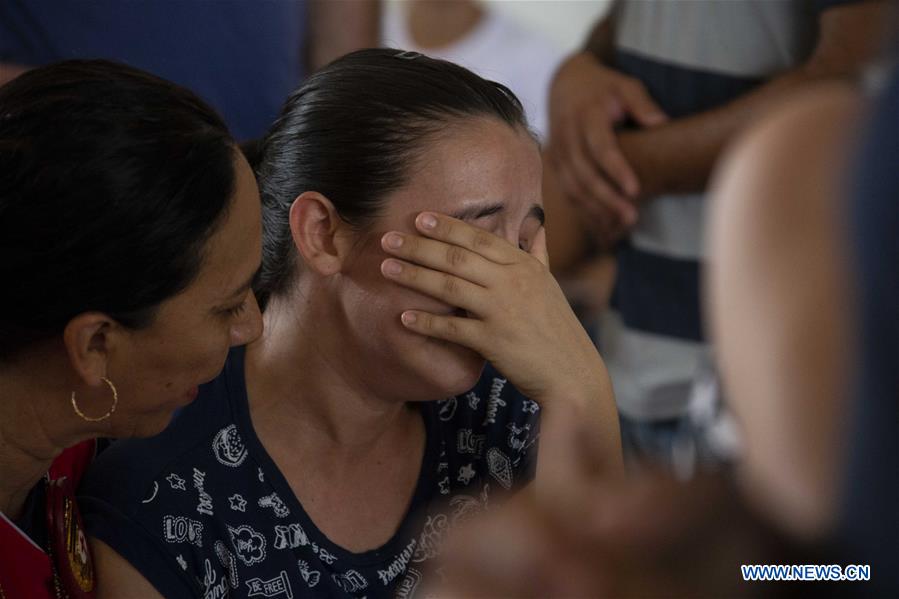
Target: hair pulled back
{"type": "Point", "coordinates": [353, 131]}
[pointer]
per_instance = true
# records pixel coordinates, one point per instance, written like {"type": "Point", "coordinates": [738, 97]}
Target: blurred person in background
{"type": "Point", "coordinates": [637, 121]}
{"type": "Point", "coordinates": [241, 56]}
{"type": "Point", "coordinates": [127, 246]}
{"type": "Point", "coordinates": [810, 369]}
{"type": "Point", "coordinates": [473, 34]}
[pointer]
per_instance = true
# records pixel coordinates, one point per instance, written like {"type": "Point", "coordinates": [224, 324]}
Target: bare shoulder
{"type": "Point", "coordinates": [777, 280]}
{"type": "Point", "coordinates": [788, 163]}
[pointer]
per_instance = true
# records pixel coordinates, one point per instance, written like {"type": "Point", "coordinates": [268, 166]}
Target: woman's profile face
{"type": "Point", "coordinates": [482, 171]}
{"type": "Point", "coordinates": [157, 369]}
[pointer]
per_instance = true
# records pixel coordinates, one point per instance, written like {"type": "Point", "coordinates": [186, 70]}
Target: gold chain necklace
{"type": "Point", "coordinates": [57, 583]}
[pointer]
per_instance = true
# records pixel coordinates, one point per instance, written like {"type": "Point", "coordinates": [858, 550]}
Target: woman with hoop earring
{"type": "Point", "coordinates": [129, 236]}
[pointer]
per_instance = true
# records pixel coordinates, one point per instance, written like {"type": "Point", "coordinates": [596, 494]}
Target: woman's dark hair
{"type": "Point", "coordinates": [353, 131]}
{"type": "Point", "coordinates": [111, 181]}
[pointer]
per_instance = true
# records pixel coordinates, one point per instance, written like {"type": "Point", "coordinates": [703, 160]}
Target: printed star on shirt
{"type": "Point", "coordinates": [176, 482]}
{"type": "Point", "coordinates": [238, 503]}
{"type": "Point", "coordinates": [466, 473]}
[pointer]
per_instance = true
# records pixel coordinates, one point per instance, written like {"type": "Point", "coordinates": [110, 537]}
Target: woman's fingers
{"type": "Point", "coordinates": [457, 329]}
{"type": "Point", "coordinates": [456, 232]}
{"type": "Point", "coordinates": [538, 247]}
{"type": "Point", "coordinates": [447, 258]}
{"type": "Point", "coordinates": [447, 288]}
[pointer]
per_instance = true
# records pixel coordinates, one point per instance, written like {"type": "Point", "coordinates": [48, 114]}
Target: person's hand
{"type": "Point", "coordinates": [586, 101]}
{"type": "Point", "coordinates": [645, 537]}
{"type": "Point", "coordinates": [518, 317]}
{"type": "Point", "coordinates": [584, 533]}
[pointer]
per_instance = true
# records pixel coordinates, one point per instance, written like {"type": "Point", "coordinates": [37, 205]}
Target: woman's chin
{"type": "Point", "coordinates": [150, 425]}
{"type": "Point", "coordinates": [459, 368]}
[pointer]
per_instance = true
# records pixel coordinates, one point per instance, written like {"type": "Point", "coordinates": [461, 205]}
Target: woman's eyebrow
{"type": "Point", "coordinates": [477, 211]}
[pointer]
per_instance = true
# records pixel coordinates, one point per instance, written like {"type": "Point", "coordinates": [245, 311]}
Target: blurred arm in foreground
{"type": "Point", "coordinates": [782, 314]}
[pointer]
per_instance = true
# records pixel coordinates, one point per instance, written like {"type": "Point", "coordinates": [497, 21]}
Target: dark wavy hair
{"type": "Point", "coordinates": [111, 182]}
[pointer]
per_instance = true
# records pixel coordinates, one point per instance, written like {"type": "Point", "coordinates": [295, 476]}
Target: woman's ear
{"type": "Point", "coordinates": [87, 341]}
{"type": "Point", "coordinates": [318, 233]}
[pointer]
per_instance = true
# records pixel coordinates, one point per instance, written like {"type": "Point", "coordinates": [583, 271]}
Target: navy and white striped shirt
{"type": "Point", "coordinates": [692, 57]}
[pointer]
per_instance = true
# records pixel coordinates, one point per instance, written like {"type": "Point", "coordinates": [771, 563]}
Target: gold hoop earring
{"type": "Point", "coordinates": [115, 402]}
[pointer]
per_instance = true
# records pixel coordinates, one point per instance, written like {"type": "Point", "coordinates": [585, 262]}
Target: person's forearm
{"type": "Point", "coordinates": [678, 157]}
{"type": "Point", "coordinates": [579, 432]}
{"type": "Point", "coordinates": [601, 39]}
{"type": "Point", "coordinates": [337, 27]}
{"type": "Point", "coordinates": [566, 234]}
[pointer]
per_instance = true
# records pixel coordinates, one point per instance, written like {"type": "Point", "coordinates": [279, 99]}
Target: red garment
{"type": "Point", "coordinates": [25, 569]}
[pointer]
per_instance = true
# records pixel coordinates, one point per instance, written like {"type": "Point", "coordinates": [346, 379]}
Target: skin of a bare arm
{"type": "Point", "coordinates": [116, 578]}
{"type": "Point", "coordinates": [678, 156]}
{"type": "Point", "coordinates": [337, 27]}
{"type": "Point", "coordinates": [780, 306]}
{"type": "Point", "coordinates": [601, 39]}
{"type": "Point", "coordinates": [566, 231]}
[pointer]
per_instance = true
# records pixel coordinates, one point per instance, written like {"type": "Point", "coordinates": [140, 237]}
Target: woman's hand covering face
{"type": "Point", "coordinates": [515, 314]}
